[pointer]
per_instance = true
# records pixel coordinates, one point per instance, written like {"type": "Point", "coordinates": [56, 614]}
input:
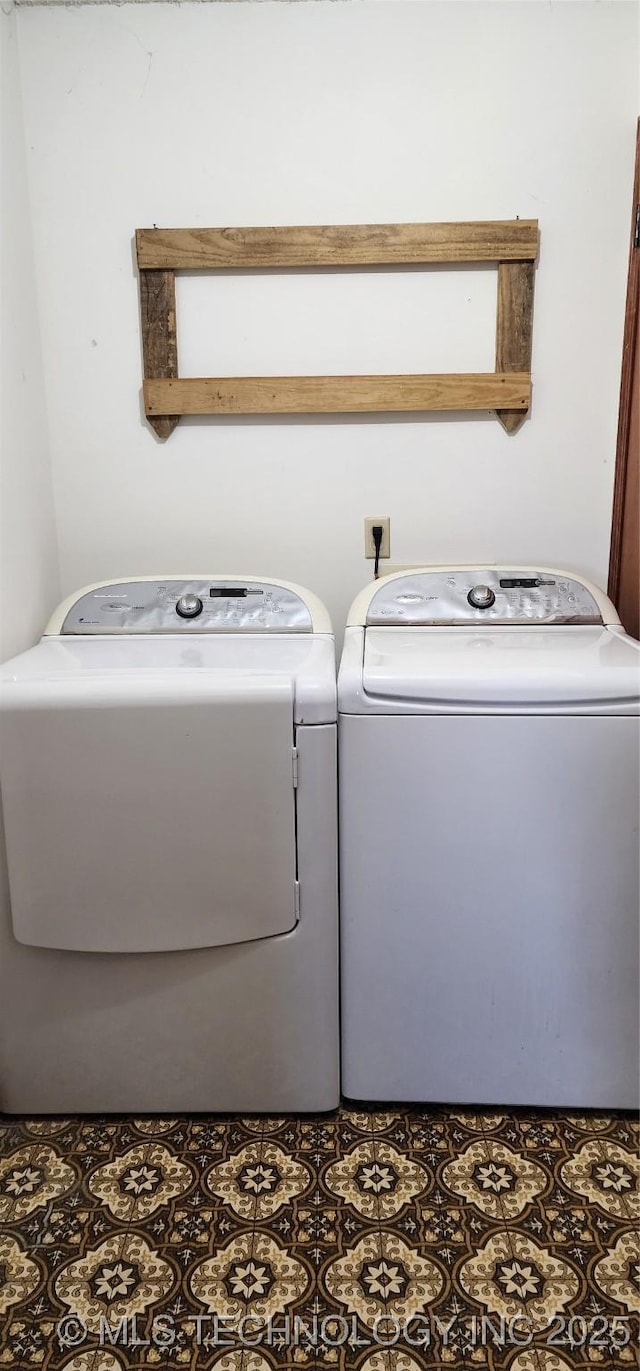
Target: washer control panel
{"type": "Point", "coordinates": [489, 595]}
{"type": "Point", "coordinates": [174, 606]}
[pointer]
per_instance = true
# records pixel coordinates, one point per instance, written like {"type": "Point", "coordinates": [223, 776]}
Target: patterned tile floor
{"type": "Point", "coordinates": [364, 1240]}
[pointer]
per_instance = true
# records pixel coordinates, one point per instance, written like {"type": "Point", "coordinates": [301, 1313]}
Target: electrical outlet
{"type": "Point", "coordinates": [369, 545]}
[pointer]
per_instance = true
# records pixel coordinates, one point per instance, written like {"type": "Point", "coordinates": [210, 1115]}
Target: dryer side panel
{"type": "Point", "coordinates": [150, 816]}
{"type": "Point", "coordinates": [489, 909]}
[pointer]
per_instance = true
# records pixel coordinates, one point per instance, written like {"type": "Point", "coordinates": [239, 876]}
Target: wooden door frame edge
{"type": "Point", "coordinates": [626, 385]}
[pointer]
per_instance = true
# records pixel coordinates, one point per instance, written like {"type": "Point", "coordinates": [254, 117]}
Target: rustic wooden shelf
{"type": "Point", "coordinates": [336, 394]}
{"type": "Point", "coordinates": [512, 244]}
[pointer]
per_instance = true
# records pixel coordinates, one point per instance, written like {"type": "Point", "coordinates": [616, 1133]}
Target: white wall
{"type": "Point", "coordinates": [29, 578]}
{"type": "Point", "coordinates": [318, 113]}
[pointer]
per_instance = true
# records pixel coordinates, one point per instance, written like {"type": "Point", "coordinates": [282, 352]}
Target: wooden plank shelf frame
{"type": "Point", "coordinates": [511, 244]}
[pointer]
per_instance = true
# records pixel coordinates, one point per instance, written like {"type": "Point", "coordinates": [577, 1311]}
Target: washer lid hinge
{"type": "Point", "coordinates": [294, 761]}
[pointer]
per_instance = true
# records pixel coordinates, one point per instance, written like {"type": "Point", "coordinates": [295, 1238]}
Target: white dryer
{"type": "Point", "coordinates": [489, 804]}
{"type": "Point", "coordinates": [169, 790]}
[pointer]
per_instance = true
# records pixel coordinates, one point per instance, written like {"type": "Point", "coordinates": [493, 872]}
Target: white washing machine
{"type": "Point", "coordinates": [169, 789]}
{"type": "Point", "coordinates": [489, 803]}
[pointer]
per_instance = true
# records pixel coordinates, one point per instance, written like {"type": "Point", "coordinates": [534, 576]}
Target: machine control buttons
{"type": "Point", "coordinates": [189, 606]}
{"type": "Point", "coordinates": [481, 597]}
{"type": "Point", "coordinates": [486, 595]}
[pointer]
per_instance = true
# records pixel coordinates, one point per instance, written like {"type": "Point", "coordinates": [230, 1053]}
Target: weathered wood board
{"type": "Point", "coordinates": [336, 394]}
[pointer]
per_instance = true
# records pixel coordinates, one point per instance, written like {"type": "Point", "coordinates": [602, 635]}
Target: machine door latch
{"type": "Point", "coordinates": [294, 764]}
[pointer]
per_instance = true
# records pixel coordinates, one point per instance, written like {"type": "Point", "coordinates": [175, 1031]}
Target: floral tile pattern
{"type": "Point", "coordinates": [364, 1240]}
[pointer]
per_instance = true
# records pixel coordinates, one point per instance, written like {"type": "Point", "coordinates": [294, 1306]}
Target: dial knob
{"type": "Point", "coordinates": [189, 606]}
{"type": "Point", "coordinates": [481, 597]}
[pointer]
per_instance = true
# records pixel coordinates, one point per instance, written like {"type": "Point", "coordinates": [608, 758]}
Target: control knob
{"type": "Point", "coordinates": [481, 597]}
{"type": "Point", "coordinates": [189, 606]}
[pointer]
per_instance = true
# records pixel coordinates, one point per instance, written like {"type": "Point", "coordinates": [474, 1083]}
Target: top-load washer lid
{"type": "Point", "coordinates": [486, 638]}
{"type": "Point", "coordinates": [149, 782]}
{"type": "Point", "coordinates": [504, 668]}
